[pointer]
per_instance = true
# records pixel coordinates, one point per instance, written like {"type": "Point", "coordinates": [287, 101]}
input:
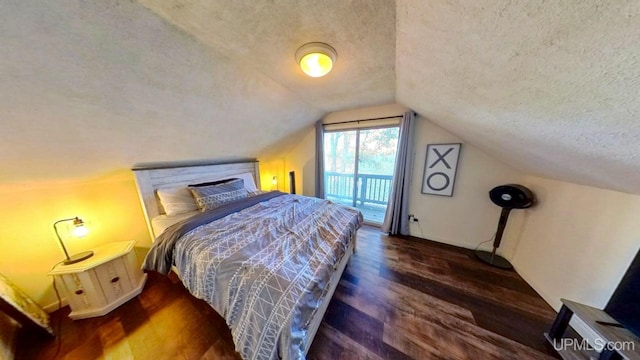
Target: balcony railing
{"type": "Point", "coordinates": [371, 189]}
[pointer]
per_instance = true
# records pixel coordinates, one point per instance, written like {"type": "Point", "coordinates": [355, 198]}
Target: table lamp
{"type": "Point", "coordinates": [79, 230]}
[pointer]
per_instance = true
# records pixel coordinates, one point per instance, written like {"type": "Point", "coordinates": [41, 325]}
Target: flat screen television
{"type": "Point", "coordinates": [624, 305]}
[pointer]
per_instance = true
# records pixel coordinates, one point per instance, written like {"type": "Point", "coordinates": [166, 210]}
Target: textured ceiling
{"type": "Point", "coordinates": [264, 35]}
{"type": "Point", "coordinates": [550, 87]}
{"type": "Point", "coordinates": [88, 87]}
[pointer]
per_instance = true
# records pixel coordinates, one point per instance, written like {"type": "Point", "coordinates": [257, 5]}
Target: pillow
{"type": "Point", "coordinates": [176, 200]}
{"type": "Point", "coordinates": [217, 182]}
{"type": "Point", "coordinates": [210, 197]}
{"type": "Point", "coordinates": [249, 183]}
{"type": "Point", "coordinates": [257, 192]}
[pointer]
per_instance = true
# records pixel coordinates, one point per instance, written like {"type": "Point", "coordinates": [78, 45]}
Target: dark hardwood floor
{"type": "Point", "coordinates": [400, 298]}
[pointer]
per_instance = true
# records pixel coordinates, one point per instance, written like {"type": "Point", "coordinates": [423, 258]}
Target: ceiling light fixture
{"type": "Point", "coordinates": [316, 59]}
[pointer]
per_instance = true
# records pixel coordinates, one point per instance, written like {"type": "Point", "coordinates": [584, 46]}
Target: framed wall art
{"type": "Point", "coordinates": [440, 168]}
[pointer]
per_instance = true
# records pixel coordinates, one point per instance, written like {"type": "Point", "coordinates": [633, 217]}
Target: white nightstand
{"type": "Point", "coordinates": [101, 283]}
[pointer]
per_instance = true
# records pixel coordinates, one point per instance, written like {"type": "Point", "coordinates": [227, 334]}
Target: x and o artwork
{"type": "Point", "coordinates": [440, 168]}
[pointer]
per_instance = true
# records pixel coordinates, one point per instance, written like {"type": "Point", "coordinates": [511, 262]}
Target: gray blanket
{"type": "Point", "coordinates": [265, 268]}
{"type": "Point", "coordinates": [160, 257]}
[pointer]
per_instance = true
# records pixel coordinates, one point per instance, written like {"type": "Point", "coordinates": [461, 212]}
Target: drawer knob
{"type": "Point", "coordinates": [79, 292]}
{"type": "Point", "coordinates": [115, 279]}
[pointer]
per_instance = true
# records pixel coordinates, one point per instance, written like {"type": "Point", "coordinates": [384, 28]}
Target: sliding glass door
{"type": "Point", "coordinates": [339, 166]}
{"type": "Point", "coordinates": [359, 167]}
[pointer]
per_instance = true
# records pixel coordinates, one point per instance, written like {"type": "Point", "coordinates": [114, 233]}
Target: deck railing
{"type": "Point", "coordinates": [372, 189]}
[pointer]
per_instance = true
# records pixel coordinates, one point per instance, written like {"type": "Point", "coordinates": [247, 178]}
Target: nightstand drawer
{"type": "Point", "coordinates": [114, 279]}
{"type": "Point", "coordinates": [82, 290]}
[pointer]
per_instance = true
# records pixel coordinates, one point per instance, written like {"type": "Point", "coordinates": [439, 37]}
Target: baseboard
{"type": "Point", "coordinates": [442, 240]}
{"type": "Point", "coordinates": [551, 300]}
{"type": "Point", "coordinates": [470, 246]}
{"type": "Point", "coordinates": [54, 305]}
{"type": "Point", "coordinates": [578, 325]}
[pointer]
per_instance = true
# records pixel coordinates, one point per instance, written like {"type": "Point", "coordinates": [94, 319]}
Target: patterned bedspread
{"type": "Point", "coordinates": [265, 269]}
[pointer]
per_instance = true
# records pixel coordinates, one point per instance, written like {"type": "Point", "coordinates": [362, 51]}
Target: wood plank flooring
{"type": "Point", "coordinates": [400, 298]}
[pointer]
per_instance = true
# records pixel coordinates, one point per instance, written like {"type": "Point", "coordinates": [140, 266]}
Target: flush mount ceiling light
{"type": "Point", "coordinates": [316, 59]}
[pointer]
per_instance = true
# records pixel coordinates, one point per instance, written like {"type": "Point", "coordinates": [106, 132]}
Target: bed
{"type": "Point", "coordinates": [268, 263]}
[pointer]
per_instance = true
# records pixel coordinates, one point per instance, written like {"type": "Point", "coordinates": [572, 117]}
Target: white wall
{"type": "Point", "coordinates": [109, 204]}
{"type": "Point", "coordinates": [301, 159]}
{"type": "Point", "coordinates": [464, 219]}
{"type": "Point", "coordinates": [578, 242]}
{"type": "Point", "coordinates": [468, 217]}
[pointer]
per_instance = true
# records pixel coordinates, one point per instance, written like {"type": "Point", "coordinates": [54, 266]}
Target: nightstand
{"type": "Point", "coordinates": [101, 283]}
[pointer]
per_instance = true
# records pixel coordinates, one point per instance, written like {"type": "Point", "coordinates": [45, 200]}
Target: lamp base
{"type": "Point", "coordinates": [494, 260]}
{"type": "Point", "coordinates": [78, 257]}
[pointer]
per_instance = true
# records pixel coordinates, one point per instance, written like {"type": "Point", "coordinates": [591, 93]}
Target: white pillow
{"type": "Point", "coordinates": [177, 200]}
{"type": "Point", "coordinates": [161, 222]}
{"type": "Point", "coordinates": [249, 184]}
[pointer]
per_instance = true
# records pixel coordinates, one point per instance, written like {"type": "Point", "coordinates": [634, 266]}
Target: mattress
{"type": "Point", "coordinates": [161, 222]}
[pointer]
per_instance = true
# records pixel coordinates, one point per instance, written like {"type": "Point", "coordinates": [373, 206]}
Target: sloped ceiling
{"type": "Point", "coordinates": [264, 35]}
{"type": "Point", "coordinates": [548, 87]}
{"type": "Point", "coordinates": [91, 86]}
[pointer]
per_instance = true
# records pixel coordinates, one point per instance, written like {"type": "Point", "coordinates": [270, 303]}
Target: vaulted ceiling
{"type": "Point", "coordinates": [548, 87]}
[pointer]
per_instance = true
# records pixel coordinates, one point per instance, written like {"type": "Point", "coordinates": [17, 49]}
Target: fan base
{"type": "Point", "coordinates": [494, 260]}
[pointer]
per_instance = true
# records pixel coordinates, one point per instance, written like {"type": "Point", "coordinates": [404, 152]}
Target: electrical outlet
{"type": "Point", "coordinates": [412, 218]}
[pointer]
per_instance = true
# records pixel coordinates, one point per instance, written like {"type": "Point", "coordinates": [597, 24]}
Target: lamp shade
{"type": "Point", "coordinates": [79, 229]}
{"type": "Point", "coordinates": [316, 59]}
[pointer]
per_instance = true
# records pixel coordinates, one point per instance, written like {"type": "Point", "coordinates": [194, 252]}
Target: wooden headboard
{"type": "Point", "coordinates": [153, 176]}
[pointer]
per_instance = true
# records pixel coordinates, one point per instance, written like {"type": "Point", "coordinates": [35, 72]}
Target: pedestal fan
{"type": "Point", "coordinates": [508, 197]}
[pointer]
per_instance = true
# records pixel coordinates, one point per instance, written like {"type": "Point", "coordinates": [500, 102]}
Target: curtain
{"type": "Point", "coordinates": [319, 159]}
{"type": "Point", "coordinates": [396, 219]}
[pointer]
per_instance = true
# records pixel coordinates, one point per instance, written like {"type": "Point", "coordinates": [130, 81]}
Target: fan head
{"type": "Point", "coordinates": [512, 196]}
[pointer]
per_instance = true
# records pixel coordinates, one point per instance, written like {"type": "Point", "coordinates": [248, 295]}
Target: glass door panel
{"type": "Point", "coordinates": [340, 166]}
{"type": "Point", "coordinates": [376, 162]}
